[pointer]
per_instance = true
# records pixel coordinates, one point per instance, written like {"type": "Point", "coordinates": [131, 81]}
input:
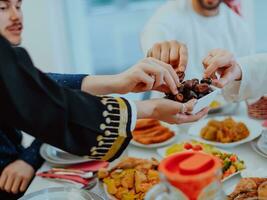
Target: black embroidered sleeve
{"type": "Point", "coordinates": [77, 122]}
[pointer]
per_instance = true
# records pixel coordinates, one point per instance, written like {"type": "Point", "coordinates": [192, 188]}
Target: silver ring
{"type": "Point", "coordinates": [183, 109]}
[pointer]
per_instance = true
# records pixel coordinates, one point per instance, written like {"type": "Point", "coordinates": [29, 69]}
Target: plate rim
{"type": "Point", "coordinates": [54, 189]}
{"type": "Point", "coordinates": [226, 145]}
{"type": "Point", "coordinates": [155, 145]}
{"type": "Point", "coordinates": [256, 149]}
{"type": "Point", "coordinates": [172, 127]}
{"type": "Point", "coordinates": [45, 156]}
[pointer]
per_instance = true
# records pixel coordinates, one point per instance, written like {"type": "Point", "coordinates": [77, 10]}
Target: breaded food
{"type": "Point", "coordinates": [250, 188]}
{"type": "Point", "coordinates": [131, 178]}
{"type": "Point", "coordinates": [225, 131]}
{"type": "Point", "coordinates": [262, 190]}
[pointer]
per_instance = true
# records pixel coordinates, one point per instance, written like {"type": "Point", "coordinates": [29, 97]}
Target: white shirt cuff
{"type": "Point", "coordinates": [134, 114]}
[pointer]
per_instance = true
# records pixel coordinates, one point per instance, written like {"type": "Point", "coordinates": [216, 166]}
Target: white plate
{"type": "Point", "coordinates": [254, 145]}
{"type": "Point", "coordinates": [258, 172]}
{"type": "Point", "coordinates": [206, 100]}
{"type": "Point", "coordinates": [62, 193]}
{"type": "Point", "coordinates": [254, 128]}
{"type": "Point", "coordinates": [173, 128]}
{"type": "Point", "coordinates": [157, 145]}
{"type": "Point", "coordinates": [56, 156]}
{"type": "Point", "coordinates": [162, 153]}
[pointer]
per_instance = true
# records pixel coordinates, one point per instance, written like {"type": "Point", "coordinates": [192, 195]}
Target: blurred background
{"type": "Point", "coordinates": [102, 36]}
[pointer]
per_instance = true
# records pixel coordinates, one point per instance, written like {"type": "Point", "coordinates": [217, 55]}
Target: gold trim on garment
{"type": "Point", "coordinates": [113, 135]}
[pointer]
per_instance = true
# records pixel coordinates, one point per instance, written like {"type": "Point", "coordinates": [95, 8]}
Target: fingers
{"type": "Point", "coordinates": [168, 67]}
{"type": "Point", "coordinates": [190, 105]}
{"type": "Point", "coordinates": [156, 51]}
{"type": "Point", "coordinates": [165, 52]}
{"type": "Point", "coordinates": [228, 76]}
{"type": "Point", "coordinates": [183, 55]}
{"type": "Point", "coordinates": [145, 82]}
{"type": "Point", "coordinates": [182, 118]}
{"type": "Point", "coordinates": [182, 108]}
{"type": "Point", "coordinates": [3, 179]}
{"type": "Point", "coordinates": [216, 60]}
{"type": "Point", "coordinates": [24, 184]}
{"type": "Point", "coordinates": [162, 73]}
{"type": "Point", "coordinates": [171, 83]}
{"type": "Point", "coordinates": [16, 185]}
{"type": "Point", "coordinates": [174, 54]}
{"type": "Point", "coordinates": [170, 52]}
{"type": "Point", "coordinates": [9, 183]}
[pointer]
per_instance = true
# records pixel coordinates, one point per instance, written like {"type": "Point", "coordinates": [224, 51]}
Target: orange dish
{"type": "Point", "coordinates": [130, 179]}
{"type": "Point", "coordinates": [225, 131]}
{"type": "Point", "coordinates": [149, 131]}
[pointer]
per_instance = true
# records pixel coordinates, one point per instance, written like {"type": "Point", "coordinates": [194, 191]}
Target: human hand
{"type": "Point", "coordinates": [169, 111]}
{"type": "Point", "coordinates": [173, 53]}
{"type": "Point", "coordinates": [223, 63]}
{"type": "Point", "coordinates": [16, 177]}
{"type": "Point", "coordinates": [148, 74]}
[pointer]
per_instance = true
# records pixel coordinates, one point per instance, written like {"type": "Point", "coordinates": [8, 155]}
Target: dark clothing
{"type": "Point", "coordinates": [10, 139]}
{"type": "Point", "coordinates": [77, 122]}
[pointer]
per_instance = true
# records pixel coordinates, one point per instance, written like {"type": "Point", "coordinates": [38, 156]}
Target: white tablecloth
{"type": "Point", "coordinates": [251, 158]}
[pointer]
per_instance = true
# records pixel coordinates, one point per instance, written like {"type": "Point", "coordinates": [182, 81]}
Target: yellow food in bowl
{"type": "Point", "coordinates": [215, 104]}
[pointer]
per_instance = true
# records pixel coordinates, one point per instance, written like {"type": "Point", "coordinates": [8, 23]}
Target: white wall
{"type": "Point", "coordinates": [45, 35]}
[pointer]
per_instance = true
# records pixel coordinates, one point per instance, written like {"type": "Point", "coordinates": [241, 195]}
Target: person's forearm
{"type": "Point", "coordinates": [144, 109]}
{"type": "Point", "coordinates": [101, 85]}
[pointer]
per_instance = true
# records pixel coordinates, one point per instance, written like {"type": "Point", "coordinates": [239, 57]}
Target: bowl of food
{"type": "Point", "coordinates": [202, 90]}
{"type": "Point", "coordinates": [226, 132]}
{"type": "Point", "coordinates": [231, 163]}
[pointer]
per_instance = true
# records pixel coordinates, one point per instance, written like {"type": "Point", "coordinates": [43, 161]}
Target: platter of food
{"type": "Point", "coordinates": [253, 188]}
{"type": "Point", "coordinates": [202, 90]}
{"type": "Point", "coordinates": [150, 133]}
{"type": "Point", "coordinates": [226, 132]}
{"type": "Point", "coordinates": [231, 163]}
{"type": "Point", "coordinates": [131, 178]}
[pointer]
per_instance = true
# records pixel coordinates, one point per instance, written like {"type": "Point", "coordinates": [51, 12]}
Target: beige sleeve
{"type": "Point", "coordinates": [254, 79]}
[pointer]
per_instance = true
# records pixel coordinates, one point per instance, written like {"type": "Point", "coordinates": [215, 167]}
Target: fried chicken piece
{"type": "Point", "coordinates": [262, 190]}
{"type": "Point", "coordinates": [131, 163]}
{"type": "Point", "coordinates": [102, 173]}
{"type": "Point", "coordinates": [258, 181]}
{"type": "Point", "coordinates": [244, 186]}
{"type": "Point", "coordinates": [140, 178]}
{"type": "Point", "coordinates": [127, 180]}
{"type": "Point", "coordinates": [120, 192]}
{"type": "Point", "coordinates": [111, 187]}
{"type": "Point", "coordinates": [246, 195]}
{"type": "Point", "coordinates": [153, 176]}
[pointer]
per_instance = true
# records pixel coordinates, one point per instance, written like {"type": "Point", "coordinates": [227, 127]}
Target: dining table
{"type": "Point", "coordinates": [252, 159]}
